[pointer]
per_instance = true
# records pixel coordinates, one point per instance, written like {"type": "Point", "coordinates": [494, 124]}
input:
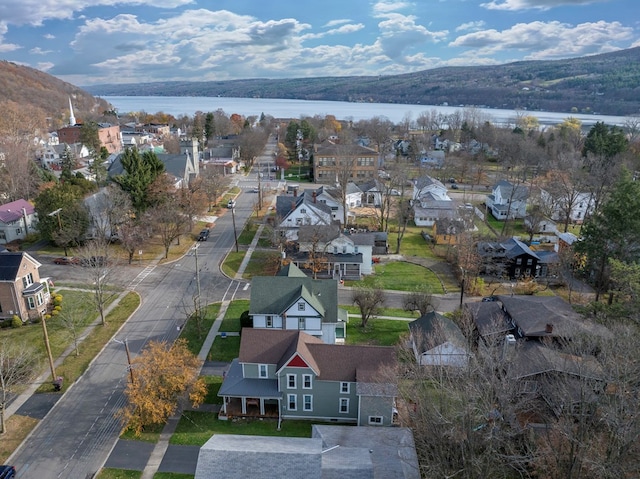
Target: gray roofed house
{"type": "Point", "coordinates": [17, 219]}
{"type": "Point", "coordinates": [296, 302]}
{"type": "Point", "coordinates": [295, 211]}
{"type": "Point", "coordinates": [22, 292]}
{"type": "Point", "coordinates": [291, 374]}
{"type": "Point", "coordinates": [437, 341]}
{"type": "Point", "coordinates": [511, 258]}
{"type": "Point", "coordinates": [508, 200]}
{"type": "Point", "coordinates": [333, 452]}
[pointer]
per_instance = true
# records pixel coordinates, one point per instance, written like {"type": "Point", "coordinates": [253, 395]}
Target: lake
{"type": "Point", "coordinates": [280, 108]}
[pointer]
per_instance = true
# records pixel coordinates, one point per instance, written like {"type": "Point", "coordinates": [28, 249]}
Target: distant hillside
{"type": "Point", "coordinates": [607, 84]}
{"type": "Point", "coordinates": [28, 86]}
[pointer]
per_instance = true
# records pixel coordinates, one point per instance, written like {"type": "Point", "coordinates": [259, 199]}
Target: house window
{"type": "Point", "coordinates": [298, 221]}
{"type": "Point", "coordinates": [262, 368]}
{"type": "Point", "coordinates": [344, 405]}
{"type": "Point", "coordinates": [269, 322]}
{"type": "Point", "coordinates": [306, 381]}
{"type": "Point", "coordinates": [308, 402]}
{"type": "Point", "coordinates": [301, 306]}
{"type": "Point", "coordinates": [344, 388]}
{"type": "Point", "coordinates": [302, 324]}
{"type": "Point", "coordinates": [39, 299]}
{"type": "Point", "coordinates": [375, 420]}
{"type": "Point", "coordinates": [291, 381]}
{"type": "Point", "coordinates": [529, 261]}
{"type": "Point", "coordinates": [355, 249]}
{"type": "Point", "coordinates": [292, 400]}
{"type": "Point", "coordinates": [344, 249]}
{"type": "Point", "coordinates": [303, 211]}
{"type": "Point", "coordinates": [27, 280]}
{"type": "Point", "coordinates": [31, 302]}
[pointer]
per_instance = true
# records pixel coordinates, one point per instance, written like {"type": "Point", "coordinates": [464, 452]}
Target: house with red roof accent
{"type": "Point", "coordinates": [288, 374]}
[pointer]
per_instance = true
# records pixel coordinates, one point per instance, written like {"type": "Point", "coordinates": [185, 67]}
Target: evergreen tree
{"type": "Point", "coordinates": [141, 170]}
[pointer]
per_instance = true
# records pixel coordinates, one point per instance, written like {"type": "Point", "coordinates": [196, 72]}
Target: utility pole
{"type": "Point", "coordinates": [48, 348]}
{"type": "Point", "coordinates": [235, 233]}
{"type": "Point", "coordinates": [126, 349]}
{"type": "Point", "coordinates": [57, 212]}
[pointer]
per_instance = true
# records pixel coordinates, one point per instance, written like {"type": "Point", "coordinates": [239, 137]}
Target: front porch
{"type": "Point", "coordinates": [248, 408]}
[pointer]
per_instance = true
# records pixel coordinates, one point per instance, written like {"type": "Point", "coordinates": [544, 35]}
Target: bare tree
{"type": "Point", "coordinates": [369, 300]}
{"type": "Point", "coordinates": [212, 182]}
{"type": "Point", "coordinates": [169, 222]}
{"type": "Point", "coordinates": [420, 299]}
{"type": "Point", "coordinates": [18, 365]}
{"type": "Point", "coordinates": [72, 318]}
{"type": "Point", "coordinates": [95, 256]}
{"type": "Point", "coordinates": [404, 214]}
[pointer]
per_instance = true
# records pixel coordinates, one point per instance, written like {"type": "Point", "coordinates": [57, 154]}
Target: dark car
{"type": "Point", "coordinates": [489, 299]}
{"type": "Point", "coordinates": [66, 260]}
{"type": "Point", "coordinates": [7, 472]}
{"type": "Point", "coordinates": [454, 186]}
{"type": "Point", "coordinates": [204, 235]}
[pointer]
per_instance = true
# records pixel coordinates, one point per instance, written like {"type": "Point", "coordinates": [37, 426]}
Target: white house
{"type": "Point", "coordinates": [430, 188]}
{"type": "Point", "coordinates": [579, 206]}
{"type": "Point", "coordinates": [508, 201]}
{"type": "Point", "coordinates": [295, 211]}
{"type": "Point", "coordinates": [438, 341]}
{"type": "Point", "coordinates": [17, 219]}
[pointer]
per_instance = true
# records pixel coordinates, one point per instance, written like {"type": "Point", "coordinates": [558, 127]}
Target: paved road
{"type": "Point", "coordinates": [75, 438]}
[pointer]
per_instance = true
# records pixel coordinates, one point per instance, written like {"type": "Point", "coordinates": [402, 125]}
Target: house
{"type": "Point", "coordinates": [433, 159]}
{"type": "Point", "coordinates": [17, 220]}
{"type": "Point", "coordinates": [293, 301]}
{"type": "Point", "coordinates": [331, 159]}
{"type": "Point", "coordinates": [292, 212]}
{"type": "Point", "coordinates": [331, 452]}
{"type": "Point", "coordinates": [158, 129]}
{"type": "Point", "coordinates": [429, 210]}
{"type": "Point", "coordinates": [108, 134]}
{"type": "Point", "coordinates": [511, 258]}
{"type": "Point", "coordinates": [508, 201]}
{"type": "Point", "coordinates": [51, 156]}
{"type": "Point", "coordinates": [438, 341]}
{"type": "Point", "coordinates": [578, 206]}
{"type": "Point", "coordinates": [293, 375]}
{"type": "Point", "coordinates": [22, 292]}
{"type": "Point", "coordinates": [428, 188]}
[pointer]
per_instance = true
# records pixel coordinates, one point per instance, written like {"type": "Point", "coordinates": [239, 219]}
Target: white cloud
{"type": "Point", "coordinates": [34, 12]}
{"type": "Point", "coordinates": [534, 4]}
{"type": "Point", "coordinates": [545, 40]}
{"type": "Point", "coordinates": [45, 66]}
{"type": "Point", "coordinates": [344, 29]}
{"type": "Point", "coordinates": [387, 6]}
{"type": "Point", "coordinates": [400, 33]}
{"type": "Point", "coordinates": [471, 26]}
{"type": "Point", "coordinates": [335, 23]}
{"type": "Point", "coordinates": [49, 36]}
{"type": "Point", "coordinates": [39, 51]}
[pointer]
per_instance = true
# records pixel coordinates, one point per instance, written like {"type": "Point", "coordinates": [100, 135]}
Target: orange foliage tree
{"type": "Point", "coordinates": [162, 375]}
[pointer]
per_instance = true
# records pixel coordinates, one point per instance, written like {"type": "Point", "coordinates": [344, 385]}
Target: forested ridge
{"type": "Point", "coordinates": [607, 84]}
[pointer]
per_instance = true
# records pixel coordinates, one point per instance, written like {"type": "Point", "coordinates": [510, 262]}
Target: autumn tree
{"type": "Point", "coordinates": [369, 301]}
{"type": "Point", "coordinates": [212, 182]}
{"type": "Point", "coordinates": [162, 375]}
{"type": "Point", "coordinates": [169, 222]}
{"type": "Point", "coordinates": [18, 365]}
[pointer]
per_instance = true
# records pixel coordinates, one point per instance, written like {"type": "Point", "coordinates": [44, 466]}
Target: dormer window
{"type": "Point", "coordinates": [301, 306]}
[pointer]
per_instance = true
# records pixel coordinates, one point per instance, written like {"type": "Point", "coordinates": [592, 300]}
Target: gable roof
{"type": "Point", "coordinates": [510, 191]}
{"type": "Point", "coordinates": [10, 265]}
{"type": "Point", "coordinates": [434, 329]}
{"type": "Point", "coordinates": [425, 181]}
{"type": "Point", "coordinates": [327, 148]}
{"type": "Point", "coordinates": [10, 212]}
{"type": "Point", "coordinates": [285, 205]}
{"type": "Point", "coordinates": [276, 294]}
{"type": "Point", "coordinates": [329, 361]}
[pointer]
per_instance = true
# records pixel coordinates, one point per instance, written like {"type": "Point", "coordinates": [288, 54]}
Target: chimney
{"type": "Point", "coordinates": [295, 192]}
{"type": "Point", "coordinates": [314, 196]}
{"type": "Point", "coordinates": [508, 347]}
{"type": "Point", "coordinates": [548, 328]}
{"type": "Point", "coordinates": [293, 205]}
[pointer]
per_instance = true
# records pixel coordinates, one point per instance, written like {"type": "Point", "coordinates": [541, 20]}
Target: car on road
{"type": "Point", "coordinates": [7, 472]}
{"type": "Point", "coordinates": [454, 186]}
{"type": "Point", "coordinates": [66, 260]}
{"type": "Point", "coordinates": [256, 190]}
{"type": "Point", "coordinates": [204, 235]}
{"type": "Point", "coordinates": [231, 204]}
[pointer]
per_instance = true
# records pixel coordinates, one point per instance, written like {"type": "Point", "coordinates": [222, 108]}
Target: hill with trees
{"type": "Point", "coordinates": [47, 95]}
{"type": "Point", "coordinates": [607, 84]}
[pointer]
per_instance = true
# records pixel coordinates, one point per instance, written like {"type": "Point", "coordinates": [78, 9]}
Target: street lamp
{"type": "Point", "coordinates": [235, 233]}
{"type": "Point", "coordinates": [126, 348]}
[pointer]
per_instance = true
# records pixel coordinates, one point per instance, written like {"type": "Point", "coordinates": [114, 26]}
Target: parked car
{"type": "Point", "coordinates": [204, 235]}
{"type": "Point", "coordinates": [7, 472]}
{"type": "Point", "coordinates": [454, 186]}
{"type": "Point", "coordinates": [66, 260]}
{"type": "Point", "coordinates": [231, 204]}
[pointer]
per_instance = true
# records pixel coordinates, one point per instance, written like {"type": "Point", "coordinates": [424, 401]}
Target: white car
{"type": "Point", "coordinates": [231, 204]}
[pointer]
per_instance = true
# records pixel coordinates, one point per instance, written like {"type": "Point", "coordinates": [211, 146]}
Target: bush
{"type": "Point", "coordinates": [57, 300]}
{"type": "Point", "coordinates": [245, 320]}
{"type": "Point", "coordinates": [57, 308]}
{"type": "Point", "coordinates": [16, 322]}
{"type": "Point", "coordinates": [55, 312]}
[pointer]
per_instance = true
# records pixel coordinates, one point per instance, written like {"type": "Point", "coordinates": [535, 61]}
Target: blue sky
{"type": "Point", "coordinates": [87, 42]}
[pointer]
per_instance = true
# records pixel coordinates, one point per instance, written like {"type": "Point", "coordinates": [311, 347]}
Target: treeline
{"type": "Point", "coordinates": [606, 84]}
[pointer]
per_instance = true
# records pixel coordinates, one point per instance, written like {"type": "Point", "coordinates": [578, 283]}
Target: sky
{"type": "Point", "coordinates": [86, 42]}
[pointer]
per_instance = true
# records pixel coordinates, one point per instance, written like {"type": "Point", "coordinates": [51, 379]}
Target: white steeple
{"type": "Point", "coordinates": [72, 119]}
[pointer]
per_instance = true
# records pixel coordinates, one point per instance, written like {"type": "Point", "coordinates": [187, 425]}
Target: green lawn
{"type": "Point", "coordinates": [248, 233]}
{"type": "Point", "coordinates": [379, 332]}
{"type": "Point", "coordinates": [401, 276]}
{"type": "Point", "coordinates": [213, 386]}
{"type": "Point", "coordinates": [262, 263]}
{"type": "Point", "coordinates": [395, 312]}
{"type": "Point", "coordinates": [194, 334]}
{"type": "Point", "coordinates": [413, 244]}
{"type": "Point", "coordinates": [232, 263]}
{"type": "Point", "coordinates": [231, 321]}
{"type": "Point", "coordinates": [108, 473]}
{"type": "Point", "coordinates": [224, 349]}
{"type": "Point", "coordinates": [196, 428]}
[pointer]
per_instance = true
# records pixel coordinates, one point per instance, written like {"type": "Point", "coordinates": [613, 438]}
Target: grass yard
{"type": "Point", "coordinates": [224, 349]}
{"type": "Point", "coordinates": [395, 312]}
{"type": "Point", "coordinates": [413, 244]}
{"type": "Point", "coordinates": [213, 386]}
{"type": "Point", "coordinates": [379, 332]}
{"type": "Point", "coordinates": [196, 427]}
{"type": "Point", "coordinates": [195, 335]}
{"type": "Point", "coordinates": [107, 473]}
{"type": "Point", "coordinates": [401, 276]}
{"type": "Point", "coordinates": [231, 321]}
{"type": "Point", "coordinates": [262, 263]}
{"type": "Point", "coordinates": [248, 233]}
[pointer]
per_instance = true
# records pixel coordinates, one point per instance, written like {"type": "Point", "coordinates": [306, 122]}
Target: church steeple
{"type": "Point", "coordinates": [72, 118]}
